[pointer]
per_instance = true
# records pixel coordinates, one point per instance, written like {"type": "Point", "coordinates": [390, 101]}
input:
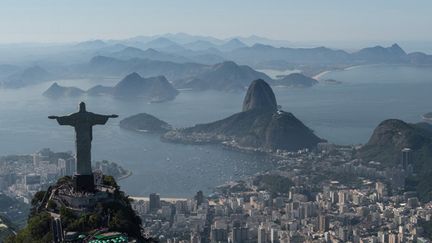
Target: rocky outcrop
{"type": "Point", "coordinates": [144, 122]}
{"type": "Point", "coordinates": [153, 88]}
{"type": "Point", "coordinates": [296, 80]}
{"type": "Point", "coordinates": [133, 86]}
{"type": "Point", "coordinates": [260, 126]}
{"type": "Point", "coordinates": [225, 76]}
{"type": "Point", "coordinates": [259, 96]}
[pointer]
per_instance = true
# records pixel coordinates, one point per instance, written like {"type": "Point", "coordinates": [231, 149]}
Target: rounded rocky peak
{"type": "Point", "coordinates": [132, 76]}
{"type": "Point", "coordinates": [55, 84]}
{"type": "Point", "coordinates": [390, 131]}
{"type": "Point", "coordinates": [392, 124]}
{"type": "Point", "coordinates": [259, 96]}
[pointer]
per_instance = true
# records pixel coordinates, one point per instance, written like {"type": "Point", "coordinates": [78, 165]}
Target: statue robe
{"type": "Point", "coordinates": [83, 123]}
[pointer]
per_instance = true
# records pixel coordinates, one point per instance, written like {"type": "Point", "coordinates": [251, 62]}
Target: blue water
{"type": "Point", "coordinates": [343, 114]}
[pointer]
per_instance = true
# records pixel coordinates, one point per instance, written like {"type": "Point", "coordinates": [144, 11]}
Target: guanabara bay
{"type": "Point", "coordinates": [216, 121]}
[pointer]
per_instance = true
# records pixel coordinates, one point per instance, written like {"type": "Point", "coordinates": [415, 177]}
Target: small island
{"type": "Point", "coordinates": [112, 169]}
{"type": "Point", "coordinates": [296, 80]}
{"type": "Point", "coordinates": [56, 91]}
{"type": "Point", "coordinates": [146, 123]}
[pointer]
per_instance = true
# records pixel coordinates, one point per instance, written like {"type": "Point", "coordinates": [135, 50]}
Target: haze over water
{"type": "Point", "coordinates": [343, 114]}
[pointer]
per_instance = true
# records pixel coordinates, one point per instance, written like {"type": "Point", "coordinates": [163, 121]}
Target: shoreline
{"type": "Point", "coordinates": [128, 174]}
{"type": "Point", "coordinates": [319, 75]}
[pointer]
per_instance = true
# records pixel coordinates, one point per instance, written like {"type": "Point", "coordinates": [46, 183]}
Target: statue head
{"type": "Point", "coordinates": [82, 107]}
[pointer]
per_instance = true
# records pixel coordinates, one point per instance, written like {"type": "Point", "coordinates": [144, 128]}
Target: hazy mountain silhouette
{"type": "Point", "coordinates": [91, 44]}
{"type": "Point", "coordinates": [155, 89]}
{"type": "Point", "coordinates": [57, 91]}
{"type": "Point", "coordinates": [226, 76]}
{"type": "Point", "coordinates": [379, 54]}
{"type": "Point", "coordinates": [29, 76]}
{"type": "Point", "coordinates": [152, 54]}
{"type": "Point", "coordinates": [102, 65]}
{"type": "Point", "coordinates": [7, 70]}
{"type": "Point", "coordinates": [199, 45]}
{"type": "Point", "coordinates": [232, 45]}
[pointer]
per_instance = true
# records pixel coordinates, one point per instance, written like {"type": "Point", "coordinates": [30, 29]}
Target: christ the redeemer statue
{"type": "Point", "coordinates": [83, 122]}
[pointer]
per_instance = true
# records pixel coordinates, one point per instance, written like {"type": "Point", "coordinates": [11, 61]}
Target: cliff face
{"type": "Point", "coordinates": [258, 126]}
{"type": "Point", "coordinates": [259, 95]}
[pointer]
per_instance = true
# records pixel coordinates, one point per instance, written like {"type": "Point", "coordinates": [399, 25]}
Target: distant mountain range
{"type": "Point", "coordinates": [56, 91]}
{"type": "Point", "coordinates": [260, 52]}
{"type": "Point", "coordinates": [28, 76]}
{"type": "Point", "coordinates": [188, 61]}
{"type": "Point", "coordinates": [226, 76]}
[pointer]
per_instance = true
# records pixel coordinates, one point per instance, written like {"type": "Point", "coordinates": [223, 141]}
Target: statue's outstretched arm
{"type": "Point", "coordinates": [101, 119]}
{"type": "Point", "coordinates": [63, 120]}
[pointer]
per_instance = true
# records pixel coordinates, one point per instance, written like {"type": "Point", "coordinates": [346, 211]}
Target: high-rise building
{"type": "Point", "coordinates": [392, 238]}
{"type": "Point", "coordinates": [66, 167]}
{"type": "Point", "coordinates": [380, 188]}
{"type": "Point", "coordinates": [219, 232]}
{"type": "Point", "coordinates": [273, 235]}
{"type": "Point", "coordinates": [240, 234]}
{"type": "Point", "coordinates": [71, 166]}
{"type": "Point", "coordinates": [181, 207]}
{"type": "Point", "coordinates": [342, 197]}
{"type": "Point", "coordinates": [407, 158]}
{"type": "Point", "coordinates": [323, 223]}
{"type": "Point", "coordinates": [262, 236]}
{"type": "Point", "coordinates": [195, 238]}
{"type": "Point", "coordinates": [199, 198]}
{"type": "Point", "coordinates": [32, 179]}
{"type": "Point", "coordinates": [154, 200]}
{"type": "Point", "coordinates": [36, 159]}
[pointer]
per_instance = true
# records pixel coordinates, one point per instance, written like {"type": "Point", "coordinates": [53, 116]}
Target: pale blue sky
{"type": "Point", "coordinates": [303, 20]}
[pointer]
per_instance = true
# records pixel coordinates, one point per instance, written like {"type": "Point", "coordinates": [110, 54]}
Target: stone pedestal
{"type": "Point", "coordinates": [84, 183]}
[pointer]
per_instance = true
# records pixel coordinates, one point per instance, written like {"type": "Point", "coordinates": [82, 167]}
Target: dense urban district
{"type": "Point", "coordinates": [312, 196]}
